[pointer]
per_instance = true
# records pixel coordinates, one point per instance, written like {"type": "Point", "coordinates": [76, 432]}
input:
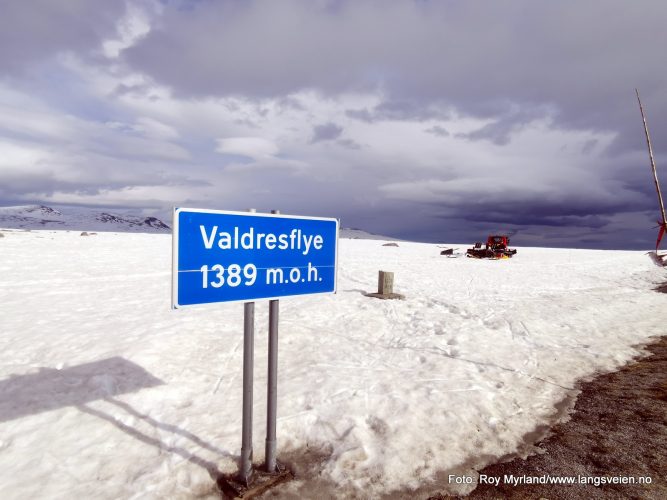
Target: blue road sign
{"type": "Point", "coordinates": [221, 256]}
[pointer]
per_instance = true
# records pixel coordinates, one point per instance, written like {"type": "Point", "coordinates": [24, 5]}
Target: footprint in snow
{"type": "Point", "coordinates": [377, 425]}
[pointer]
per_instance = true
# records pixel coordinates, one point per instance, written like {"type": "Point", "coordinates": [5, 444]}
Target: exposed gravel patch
{"type": "Point", "coordinates": [618, 428]}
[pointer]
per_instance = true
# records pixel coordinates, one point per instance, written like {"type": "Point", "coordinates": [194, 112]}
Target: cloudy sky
{"type": "Point", "coordinates": [428, 120]}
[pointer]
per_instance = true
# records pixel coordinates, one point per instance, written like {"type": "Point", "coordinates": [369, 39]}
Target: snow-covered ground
{"type": "Point", "coordinates": [105, 392]}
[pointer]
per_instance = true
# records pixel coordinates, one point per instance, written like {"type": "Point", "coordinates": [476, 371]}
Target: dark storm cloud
{"type": "Point", "coordinates": [34, 30]}
{"type": "Point", "coordinates": [584, 58]}
{"type": "Point", "coordinates": [574, 64]}
{"type": "Point", "coordinates": [589, 146]}
{"type": "Point", "coordinates": [326, 132]}
{"type": "Point", "coordinates": [520, 217]}
{"type": "Point", "coordinates": [539, 210]}
{"type": "Point", "coordinates": [349, 144]}
{"type": "Point", "coordinates": [46, 183]}
{"type": "Point", "coordinates": [500, 131]}
{"type": "Point", "coordinates": [290, 103]}
{"type": "Point", "coordinates": [401, 110]}
{"type": "Point", "coordinates": [558, 216]}
{"type": "Point", "coordinates": [438, 130]}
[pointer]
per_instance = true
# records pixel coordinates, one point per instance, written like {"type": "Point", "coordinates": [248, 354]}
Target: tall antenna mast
{"type": "Point", "coordinates": [663, 225]}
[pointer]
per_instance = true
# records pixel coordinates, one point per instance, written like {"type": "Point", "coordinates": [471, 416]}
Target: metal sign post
{"type": "Point", "coordinates": [272, 385]}
{"type": "Point", "coordinates": [245, 471]}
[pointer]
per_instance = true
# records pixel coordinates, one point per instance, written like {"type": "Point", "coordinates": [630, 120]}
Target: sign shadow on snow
{"type": "Point", "coordinates": [210, 467]}
{"type": "Point", "coordinates": [52, 389]}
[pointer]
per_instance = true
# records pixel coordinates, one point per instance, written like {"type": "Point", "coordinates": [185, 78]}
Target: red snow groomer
{"type": "Point", "coordinates": [496, 248]}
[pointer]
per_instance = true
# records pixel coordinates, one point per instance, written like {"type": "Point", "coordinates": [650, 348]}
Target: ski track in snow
{"type": "Point", "coordinates": [105, 392]}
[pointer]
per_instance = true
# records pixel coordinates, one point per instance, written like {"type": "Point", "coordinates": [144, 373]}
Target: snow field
{"type": "Point", "coordinates": [105, 392]}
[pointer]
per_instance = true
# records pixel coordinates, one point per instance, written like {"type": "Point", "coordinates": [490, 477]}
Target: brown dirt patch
{"type": "Point", "coordinates": [618, 428]}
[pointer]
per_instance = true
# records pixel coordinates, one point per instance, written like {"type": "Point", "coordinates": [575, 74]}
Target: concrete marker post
{"type": "Point", "coordinates": [385, 287]}
{"type": "Point", "coordinates": [385, 283]}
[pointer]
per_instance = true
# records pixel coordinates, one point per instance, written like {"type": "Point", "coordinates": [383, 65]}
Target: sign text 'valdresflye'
{"type": "Point", "coordinates": [221, 256]}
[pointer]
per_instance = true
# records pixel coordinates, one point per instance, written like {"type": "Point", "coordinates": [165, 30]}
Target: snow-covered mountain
{"type": "Point", "coordinates": [79, 219]}
{"type": "Point", "coordinates": [354, 233]}
{"type": "Point", "coordinates": [82, 219]}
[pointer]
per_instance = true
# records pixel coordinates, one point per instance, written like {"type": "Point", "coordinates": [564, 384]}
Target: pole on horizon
{"type": "Point", "coordinates": [663, 225]}
{"type": "Point", "coordinates": [272, 384]}
{"type": "Point", "coordinates": [245, 470]}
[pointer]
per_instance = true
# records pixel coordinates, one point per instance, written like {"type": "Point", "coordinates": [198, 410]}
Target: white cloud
{"type": "Point", "coordinates": [132, 27]}
{"type": "Point", "coordinates": [17, 157]}
{"type": "Point", "coordinates": [252, 147]}
{"type": "Point", "coordinates": [155, 129]}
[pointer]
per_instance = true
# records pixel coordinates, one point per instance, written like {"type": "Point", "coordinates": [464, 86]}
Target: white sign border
{"type": "Point", "coordinates": [174, 253]}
